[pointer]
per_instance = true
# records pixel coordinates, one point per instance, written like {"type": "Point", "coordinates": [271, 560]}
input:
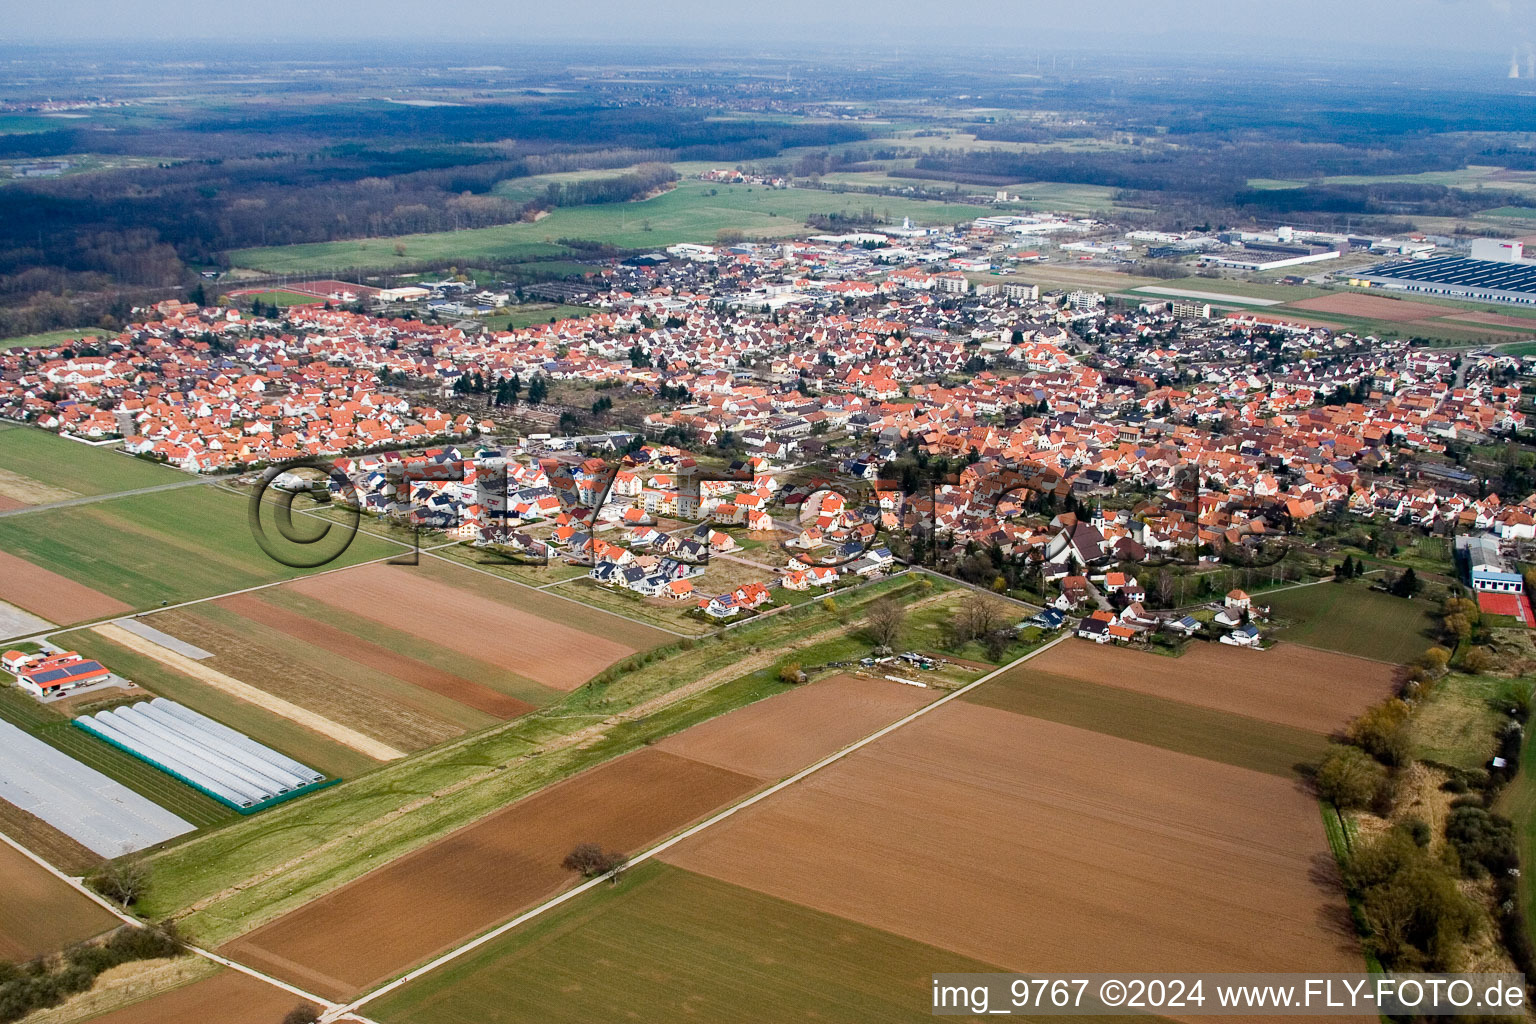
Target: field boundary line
{"type": "Point", "coordinates": [92, 623]}
{"type": "Point", "coordinates": [92, 499]}
{"type": "Point", "coordinates": [517, 583]}
{"type": "Point", "coordinates": [667, 844]}
{"type": "Point", "coordinates": [238, 688]}
{"type": "Point", "coordinates": [126, 918]}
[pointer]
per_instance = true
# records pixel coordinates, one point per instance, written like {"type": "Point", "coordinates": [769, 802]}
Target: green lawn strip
{"type": "Point", "coordinates": [82, 468]}
{"type": "Point", "coordinates": [1341, 833]}
{"type": "Point", "coordinates": [311, 748]}
{"type": "Point", "coordinates": [495, 677]}
{"type": "Point", "coordinates": [672, 615]}
{"type": "Point", "coordinates": [356, 810]}
{"type": "Point", "coordinates": [520, 318]}
{"type": "Point", "coordinates": [694, 211]}
{"type": "Point", "coordinates": [1455, 725]}
{"type": "Point", "coordinates": [668, 944]}
{"type": "Point", "coordinates": [54, 729]}
{"type": "Point", "coordinates": [1155, 721]}
{"type": "Point", "coordinates": [169, 546]}
{"type": "Point", "coordinates": [1517, 802]}
{"type": "Point", "coordinates": [1352, 619]}
{"type": "Point", "coordinates": [282, 298]}
{"type": "Point", "coordinates": [555, 571]}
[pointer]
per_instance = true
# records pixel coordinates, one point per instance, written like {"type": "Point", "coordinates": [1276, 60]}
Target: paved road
{"type": "Point", "coordinates": [91, 499]}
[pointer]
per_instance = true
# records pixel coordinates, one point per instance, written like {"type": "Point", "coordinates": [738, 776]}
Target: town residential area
{"type": "Point", "coordinates": [721, 516]}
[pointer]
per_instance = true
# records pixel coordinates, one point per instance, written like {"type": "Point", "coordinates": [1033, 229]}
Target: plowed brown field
{"type": "Point", "coordinates": [445, 893]}
{"type": "Point", "coordinates": [420, 603]}
{"type": "Point", "coordinates": [354, 648]}
{"type": "Point", "coordinates": [1291, 685]}
{"type": "Point", "coordinates": [40, 914]}
{"type": "Point", "coordinates": [228, 997]}
{"type": "Point", "coordinates": [54, 597]}
{"type": "Point", "coordinates": [779, 736]}
{"type": "Point", "coordinates": [1041, 847]}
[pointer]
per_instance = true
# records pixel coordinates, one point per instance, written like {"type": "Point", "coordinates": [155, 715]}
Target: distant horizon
{"type": "Point", "coordinates": [1412, 30]}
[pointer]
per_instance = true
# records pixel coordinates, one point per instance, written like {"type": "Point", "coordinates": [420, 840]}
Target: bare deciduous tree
{"type": "Point", "coordinates": [979, 615]}
{"type": "Point", "coordinates": [302, 1014]}
{"type": "Point", "coordinates": [884, 622]}
{"type": "Point", "coordinates": [591, 860]}
{"type": "Point", "coordinates": [122, 881]}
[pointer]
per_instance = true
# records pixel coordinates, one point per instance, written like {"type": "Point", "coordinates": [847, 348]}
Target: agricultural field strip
{"type": "Point", "coordinates": [526, 586]}
{"type": "Point", "coordinates": [89, 623]}
{"type": "Point", "coordinates": [91, 499]}
{"type": "Point", "coordinates": [543, 745]}
{"type": "Point", "coordinates": [117, 912]}
{"type": "Point", "coordinates": [667, 844]}
{"type": "Point", "coordinates": [251, 694]}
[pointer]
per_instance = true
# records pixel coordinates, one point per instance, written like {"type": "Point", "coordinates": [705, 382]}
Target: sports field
{"type": "Point", "coordinates": [149, 549]}
{"type": "Point", "coordinates": [40, 914]}
{"type": "Point", "coordinates": [1352, 619]}
{"type": "Point", "coordinates": [694, 211]}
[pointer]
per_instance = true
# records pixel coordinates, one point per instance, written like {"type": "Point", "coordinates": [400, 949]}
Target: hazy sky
{"type": "Point", "coordinates": [1412, 29]}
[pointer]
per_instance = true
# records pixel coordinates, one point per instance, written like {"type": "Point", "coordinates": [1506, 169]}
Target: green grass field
{"type": "Point", "coordinates": [1474, 177]}
{"type": "Point", "coordinates": [283, 844]}
{"type": "Point", "coordinates": [1155, 721]}
{"type": "Point", "coordinates": [1456, 724]}
{"type": "Point", "coordinates": [167, 546]}
{"type": "Point", "coordinates": [1511, 212]}
{"type": "Point", "coordinates": [281, 298]}
{"type": "Point", "coordinates": [48, 338]}
{"type": "Point", "coordinates": [526, 317]}
{"type": "Point", "coordinates": [669, 945]}
{"type": "Point", "coordinates": [1352, 619]}
{"type": "Point", "coordinates": [54, 729]}
{"type": "Point", "coordinates": [688, 213]}
{"type": "Point", "coordinates": [1518, 803]}
{"type": "Point", "coordinates": [82, 468]}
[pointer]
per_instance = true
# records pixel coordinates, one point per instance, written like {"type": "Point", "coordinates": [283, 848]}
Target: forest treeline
{"type": "Point", "coordinates": [71, 248]}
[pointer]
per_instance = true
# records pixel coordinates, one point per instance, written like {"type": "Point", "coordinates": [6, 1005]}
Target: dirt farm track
{"type": "Point", "coordinates": [1139, 858]}
{"type": "Point", "coordinates": [445, 893]}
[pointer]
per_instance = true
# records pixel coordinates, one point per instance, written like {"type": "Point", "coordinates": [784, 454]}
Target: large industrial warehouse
{"type": "Point", "coordinates": [227, 765]}
{"type": "Point", "coordinates": [1458, 277]}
